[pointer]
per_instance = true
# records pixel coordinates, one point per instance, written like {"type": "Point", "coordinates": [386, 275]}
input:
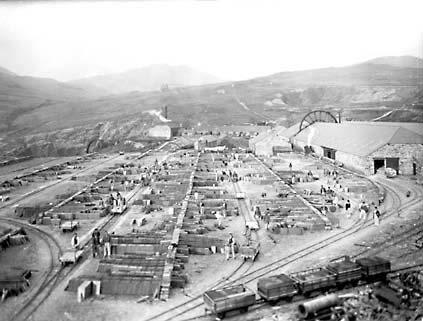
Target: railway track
{"type": "Point", "coordinates": [247, 278]}
{"type": "Point", "coordinates": [43, 188]}
{"type": "Point", "coordinates": [398, 207]}
{"type": "Point", "coordinates": [260, 303]}
{"type": "Point", "coordinates": [55, 273]}
{"type": "Point", "coordinates": [54, 251]}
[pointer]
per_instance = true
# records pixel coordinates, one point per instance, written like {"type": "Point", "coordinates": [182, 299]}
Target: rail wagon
{"type": "Point", "coordinates": [374, 268]}
{"type": "Point", "coordinates": [335, 275]}
{"type": "Point", "coordinates": [314, 280]}
{"type": "Point", "coordinates": [227, 299]}
{"type": "Point", "coordinates": [278, 287]}
{"type": "Point", "coordinates": [346, 271]}
{"type": "Point", "coordinates": [249, 251]}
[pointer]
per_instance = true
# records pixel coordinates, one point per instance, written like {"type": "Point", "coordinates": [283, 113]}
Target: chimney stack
{"type": "Point", "coordinates": [165, 112]}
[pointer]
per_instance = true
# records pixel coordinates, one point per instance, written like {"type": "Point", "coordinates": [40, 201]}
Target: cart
{"type": "Point", "coordinates": [249, 251]}
{"type": "Point", "coordinates": [70, 256]}
{"type": "Point", "coordinates": [69, 226]}
{"type": "Point", "coordinates": [227, 299]}
{"type": "Point", "coordinates": [118, 209]}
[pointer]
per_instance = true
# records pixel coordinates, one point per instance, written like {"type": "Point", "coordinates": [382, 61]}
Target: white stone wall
{"type": "Point", "coordinates": [160, 132]}
{"type": "Point", "coordinates": [354, 162]}
{"type": "Point", "coordinates": [365, 164]}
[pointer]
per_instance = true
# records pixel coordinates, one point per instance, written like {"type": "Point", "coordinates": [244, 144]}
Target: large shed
{"type": "Point", "coordinates": [365, 146]}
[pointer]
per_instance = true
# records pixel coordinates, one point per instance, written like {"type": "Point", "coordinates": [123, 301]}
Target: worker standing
{"type": "Point", "coordinates": [75, 241]}
{"type": "Point", "coordinates": [257, 213]}
{"type": "Point", "coordinates": [107, 246]}
{"type": "Point", "coordinates": [247, 234]}
{"type": "Point", "coordinates": [362, 209]}
{"type": "Point", "coordinates": [267, 219]}
{"type": "Point", "coordinates": [224, 207]}
{"type": "Point", "coordinates": [347, 208]}
{"type": "Point", "coordinates": [230, 247]}
{"type": "Point", "coordinates": [219, 219]}
{"type": "Point", "coordinates": [376, 216]}
{"type": "Point", "coordinates": [95, 242]}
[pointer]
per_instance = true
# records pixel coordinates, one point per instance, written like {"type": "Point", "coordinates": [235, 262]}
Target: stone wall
{"type": "Point", "coordinates": [365, 164]}
{"type": "Point", "coordinates": [354, 162]}
{"type": "Point", "coordinates": [405, 153]}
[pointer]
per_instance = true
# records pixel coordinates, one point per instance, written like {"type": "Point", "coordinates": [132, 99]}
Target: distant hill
{"type": "Point", "coordinates": [148, 78]}
{"type": "Point", "coordinates": [21, 94]}
{"type": "Point", "coordinates": [25, 86]}
{"type": "Point", "coordinates": [400, 61]}
{"type": "Point", "coordinates": [361, 92]}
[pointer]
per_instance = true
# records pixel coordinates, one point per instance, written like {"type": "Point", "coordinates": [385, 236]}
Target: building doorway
{"type": "Point", "coordinates": [414, 169]}
{"type": "Point", "coordinates": [393, 163]}
{"type": "Point", "coordinates": [378, 163]}
{"type": "Point", "coordinates": [329, 153]}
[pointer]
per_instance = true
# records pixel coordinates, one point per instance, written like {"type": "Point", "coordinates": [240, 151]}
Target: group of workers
{"type": "Point", "coordinates": [260, 217]}
{"type": "Point", "coordinates": [117, 201]}
{"type": "Point", "coordinates": [97, 241]}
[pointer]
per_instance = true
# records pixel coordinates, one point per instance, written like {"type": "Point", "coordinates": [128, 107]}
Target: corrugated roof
{"type": "Point", "coordinates": [359, 139]}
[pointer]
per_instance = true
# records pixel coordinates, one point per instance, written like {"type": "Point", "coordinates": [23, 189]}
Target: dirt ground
{"type": "Point", "coordinates": [205, 270]}
{"type": "Point", "coordinates": [29, 256]}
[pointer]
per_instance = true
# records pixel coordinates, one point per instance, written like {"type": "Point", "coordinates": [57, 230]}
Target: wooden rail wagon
{"type": "Point", "coordinates": [374, 267]}
{"type": "Point", "coordinates": [70, 256]}
{"type": "Point", "coordinates": [118, 209]}
{"type": "Point", "coordinates": [69, 226]}
{"type": "Point", "coordinates": [249, 251]}
{"type": "Point", "coordinates": [314, 280]}
{"type": "Point", "coordinates": [277, 287]}
{"type": "Point", "coordinates": [346, 271]}
{"type": "Point", "coordinates": [231, 298]}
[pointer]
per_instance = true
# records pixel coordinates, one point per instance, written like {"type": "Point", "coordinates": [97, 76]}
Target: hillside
{"type": "Point", "coordinates": [362, 92]}
{"type": "Point", "coordinates": [401, 61]}
{"type": "Point", "coordinates": [148, 78]}
{"type": "Point", "coordinates": [22, 94]}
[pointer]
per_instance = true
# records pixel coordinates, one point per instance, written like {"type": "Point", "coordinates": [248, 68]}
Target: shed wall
{"type": "Point", "coordinates": [405, 153]}
{"type": "Point", "coordinates": [365, 164]}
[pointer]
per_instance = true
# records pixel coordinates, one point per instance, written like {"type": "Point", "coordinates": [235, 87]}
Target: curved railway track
{"type": "Point", "coordinates": [54, 251]}
{"type": "Point", "coordinates": [55, 273]}
{"type": "Point", "coordinates": [416, 197]}
{"type": "Point", "coordinates": [246, 278]}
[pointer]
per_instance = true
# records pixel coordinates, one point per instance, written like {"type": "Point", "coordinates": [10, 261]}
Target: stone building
{"type": "Point", "coordinates": [366, 146]}
{"type": "Point", "coordinates": [165, 131]}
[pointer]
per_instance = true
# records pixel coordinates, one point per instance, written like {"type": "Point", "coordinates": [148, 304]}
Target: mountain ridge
{"type": "Point", "coordinates": [362, 91]}
{"type": "Point", "coordinates": [148, 78]}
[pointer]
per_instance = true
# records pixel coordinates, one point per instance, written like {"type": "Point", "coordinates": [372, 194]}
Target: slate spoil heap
{"type": "Point", "coordinates": [398, 299]}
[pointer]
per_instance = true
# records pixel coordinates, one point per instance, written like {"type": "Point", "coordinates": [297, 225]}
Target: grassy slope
{"type": "Point", "coordinates": [352, 88]}
{"type": "Point", "coordinates": [21, 94]}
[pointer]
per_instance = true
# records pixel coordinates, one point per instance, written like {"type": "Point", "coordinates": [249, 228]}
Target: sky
{"type": "Point", "coordinates": [232, 40]}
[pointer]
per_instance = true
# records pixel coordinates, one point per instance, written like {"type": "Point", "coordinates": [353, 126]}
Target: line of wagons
{"type": "Point", "coordinates": [334, 276]}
